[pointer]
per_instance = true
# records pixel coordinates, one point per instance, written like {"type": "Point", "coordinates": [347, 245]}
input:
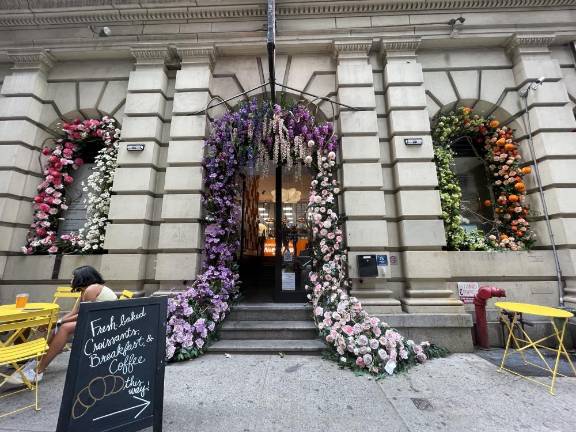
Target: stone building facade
{"type": "Point", "coordinates": [398, 61]}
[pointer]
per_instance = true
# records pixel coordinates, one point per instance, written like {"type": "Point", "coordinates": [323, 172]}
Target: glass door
{"type": "Point", "coordinates": [292, 234]}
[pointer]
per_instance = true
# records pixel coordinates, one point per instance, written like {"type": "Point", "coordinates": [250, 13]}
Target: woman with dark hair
{"type": "Point", "coordinates": [90, 284]}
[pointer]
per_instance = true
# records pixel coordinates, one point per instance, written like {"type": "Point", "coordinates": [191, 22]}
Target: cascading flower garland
{"type": "Point", "coordinates": [64, 157]}
{"type": "Point", "coordinates": [256, 135]}
{"type": "Point", "coordinates": [496, 146]}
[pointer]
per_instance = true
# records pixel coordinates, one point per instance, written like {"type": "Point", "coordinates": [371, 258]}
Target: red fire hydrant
{"type": "Point", "coordinates": [484, 293]}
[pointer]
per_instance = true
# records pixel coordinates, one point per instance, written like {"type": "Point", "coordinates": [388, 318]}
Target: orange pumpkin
{"type": "Point", "coordinates": [526, 170]}
{"type": "Point", "coordinates": [494, 124]}
{"type": "Point", "coordinates": [487, 203]}
{"type": "Point", "coordinates": [520, 187]}
{"type": "Point", "coordinates": [513, 198]}
{"type": "Point", "coordinates": [503, 236]}
{"type": "Point", "coordinates": [509, 147]}
{"type": "Point", "coordinates": [501, 141]}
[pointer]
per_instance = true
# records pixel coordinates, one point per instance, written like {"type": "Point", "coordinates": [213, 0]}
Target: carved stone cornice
{"type": "Point", "coordinates": [31, 60]}
{"type": "Point", "coordinates": [529, 43]}
{"type": "Point", "coordinates": [150, 55]}
{"type": "Point", "coordinates": [400, 48]}
{"type": "Point", "coordinates": [45, 12]}
{"type": "Point", "coordinates": [352, 49]}
{"type": "Point", "coordinates": [197, 54]}
{"type": "Point", "coordinates": [404, 44]}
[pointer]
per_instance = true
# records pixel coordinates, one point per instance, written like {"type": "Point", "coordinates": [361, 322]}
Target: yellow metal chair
{"type": "Point", "coordinates": [15, 324]}
{"type": "Point", "coordinates": [126, 295]}
{"type": "Point", "coordinates": [65, 292]}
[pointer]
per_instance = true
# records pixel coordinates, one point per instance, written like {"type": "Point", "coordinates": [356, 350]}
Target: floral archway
{"type": "Point", "coordinates": [498, 150]}
{"type": "Point", "coordinates": [100, 138]}
{"type": "Point", "coordinates": [257, 135]}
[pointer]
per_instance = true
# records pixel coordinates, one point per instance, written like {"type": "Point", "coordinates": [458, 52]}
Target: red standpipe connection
{"type": "Point", "coordinates": [480, 299]}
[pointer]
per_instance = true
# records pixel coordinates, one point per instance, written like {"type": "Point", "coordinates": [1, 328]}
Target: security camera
{"type": "Point", "coordinates": [105, 32]}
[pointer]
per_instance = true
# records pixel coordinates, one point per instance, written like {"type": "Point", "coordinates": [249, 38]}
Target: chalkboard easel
{"type": "Point", "coordinates": [115, 377]}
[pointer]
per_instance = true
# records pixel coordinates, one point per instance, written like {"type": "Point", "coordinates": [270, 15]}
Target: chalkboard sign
{"type": "Point", "coordinates": [115, 377]}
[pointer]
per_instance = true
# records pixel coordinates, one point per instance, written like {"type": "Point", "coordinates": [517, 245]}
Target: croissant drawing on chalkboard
{"type": "Point", "coordinates": [97, 389]}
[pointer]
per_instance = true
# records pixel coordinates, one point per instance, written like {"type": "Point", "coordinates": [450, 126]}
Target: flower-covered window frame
{"type": "Point", "coordinates": [496, 146]}
{"type": "Point", "coordinates": [63, 157]}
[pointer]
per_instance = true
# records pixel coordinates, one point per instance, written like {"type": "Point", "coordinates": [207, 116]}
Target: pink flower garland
{"type": "Point", "coordinates": [62, 160]}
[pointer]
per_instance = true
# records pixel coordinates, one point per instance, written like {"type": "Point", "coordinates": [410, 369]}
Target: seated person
{"type": "Point", "coordinates": [89, 283]}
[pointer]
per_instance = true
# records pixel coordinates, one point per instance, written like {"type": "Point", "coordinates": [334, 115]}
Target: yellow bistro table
{"type": "Point", "coordinates": [521, 341]}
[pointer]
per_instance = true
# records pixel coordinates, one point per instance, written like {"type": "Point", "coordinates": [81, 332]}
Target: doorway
{"type": "Point", "coordinates": [267, 276]}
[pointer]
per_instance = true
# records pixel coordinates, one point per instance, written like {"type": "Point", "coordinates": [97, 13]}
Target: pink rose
{"type": "Point", "coordinates": [53, 249]}
{"type": "Point", "coordinates": [348, 330]}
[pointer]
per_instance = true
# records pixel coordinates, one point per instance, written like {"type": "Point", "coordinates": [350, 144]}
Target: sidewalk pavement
{"type": "Point", "coordinates": [254, 393]}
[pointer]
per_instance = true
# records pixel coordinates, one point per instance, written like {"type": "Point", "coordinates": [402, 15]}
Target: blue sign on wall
{"type": "Point", "coordinates": [381, 260]}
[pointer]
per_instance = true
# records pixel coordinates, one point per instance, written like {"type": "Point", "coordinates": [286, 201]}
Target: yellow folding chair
{"type": "Point", "coordinates": [14, 324]}
{"type": "Point", "coordinates": [65, 292]}
{"type": "Point", "coordinates": [126, 294]}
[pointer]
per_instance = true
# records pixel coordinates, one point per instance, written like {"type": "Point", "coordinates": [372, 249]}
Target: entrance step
{"type": "Point", "coordinates": [258, 346]}
{"type": "Point", "coordinates": [269, 330]}
{"type": "Point", "coordinates": [271, 312]}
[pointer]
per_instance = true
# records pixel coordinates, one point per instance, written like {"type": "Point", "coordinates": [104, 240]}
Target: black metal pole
{"type": "Point", "coordinates": [271, 45]}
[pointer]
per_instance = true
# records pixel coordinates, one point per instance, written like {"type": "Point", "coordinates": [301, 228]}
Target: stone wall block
{"type": "Point", "coordinates": [145, 103]}
{"type": "Point", "coordinates": [402, 152]}
{"type": "Point", "coordinates": [189, 102]}
{"type": "Point", "coordinates": [554, 171]}
{"type": "Point", "coordinates": [127, 237]}
{"type": "Point", "coordinates": [181, 207]}
{"type": "Point", "coordinates": [134, 180]}
{"type": "Point", "coordinates": [189, 127]}
{"type": "Point", "coordinates": [25, 83]}
{"type": "Point", "coordinates": [366, 233]}
{"type": "Point", "coordinates": [532, 68]}
{"type": "Point", "coordinates": [21, 107]}
{"type": "Point", "coordinates": [409, 122]}
{"type": "Point", "coordinates": [364, 203]}
{"type": "Point", "coordinates": [131, 208]}
{"type": "Point", "coordinates": [360, 147]}
{"type": "Point", "coordinates": [176, 266]}
{"type": "Point", "coordinates": [123, 267]}
{"type": "Point", "coordinates": [179, 236]}
{"type": "Point", "coordinates": [426, 264]}
{"type": "Point", "coordinates": [362, 175]}
{"type": "Point", "coordinates": [354, 74]}
{"type": "Point", "coordinates": [357, 97]}
{"type": "Point", "coordinates": [552, 118]}
{"type": "Point", "coordinates": [402, 73]}
{"type": "Point", "coordinates": [148, 156]}
{"type": "Point", "coordinates": [193, 77]}
{"type": "Point", "coordinates": [16, 156]}
{"type": "Point", "coordinates": [404, 174]}
{"type": "Point", "coordinates": [148, 80]}
{"type": "Point", "coordinates": [137, 128]}
{"type": "Point", "coordinates": [414, 203]}
{"type": "Point", "coordinates": [422, 233]}
{"type": "Point", "coordinates": [21, 131]}
{"type": "Point", "coordinates": [23, 267]}
{"type": "Point", "coordinates": [403, 97]}
{"type": "Point", "coordinates": [358, 123]}
{"type": "Point", "coordinates": [183, 179]}
{"type": "Point", "coordinates": [185, 152]}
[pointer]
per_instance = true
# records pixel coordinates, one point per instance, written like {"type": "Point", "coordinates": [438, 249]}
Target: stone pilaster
{"type": "Point", "coordinates": [421, 230]}
{"type": "Point", "coordinates": [180, 239]}
{"type": "Point", "coordinates": [21, 138]}
{"type": "Point", "coordinates": [362, 178]}
{"type": "Point", "coordinates": [552, 126]}
{"type": "Point", "coordinates": [129, 237]}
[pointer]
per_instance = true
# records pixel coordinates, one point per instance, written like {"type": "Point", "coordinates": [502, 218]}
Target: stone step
{"type": "Point", "coordinates": [268, 330]}
{"type": "Point", "coordinates": [271, 312]}
{"type": "Point", "coordinates": [251, 346]}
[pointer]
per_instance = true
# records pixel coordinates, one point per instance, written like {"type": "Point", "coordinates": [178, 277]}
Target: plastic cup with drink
{"type": "Point", "coordinates": [21, 300]}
